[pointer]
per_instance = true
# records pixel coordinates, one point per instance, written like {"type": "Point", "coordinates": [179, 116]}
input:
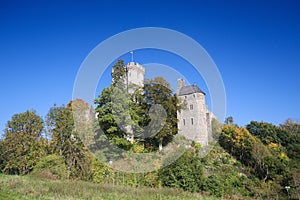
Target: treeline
{"type": "Point", "coordinates": [260, 160]}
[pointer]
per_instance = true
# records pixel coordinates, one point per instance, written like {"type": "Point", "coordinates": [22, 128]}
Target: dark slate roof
{"type": "Point", "coordinates": [189, 89]}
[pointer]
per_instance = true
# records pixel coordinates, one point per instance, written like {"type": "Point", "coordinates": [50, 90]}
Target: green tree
{"type": "Point", "coordinates": [114, 109]}
{"type": "Point", "coordinates": [23, 145]}
{"type": "Point", "coordinates": [50, 120]}
{"type": "Point", "coordinates": [112, 118]}
{"type": "Point", "coordinates": [67, 143]}
{"type": "Point", "coordinates": [2, 158]}
{"type": "Point", "coordinates": [158, 92]}
{"type": "Point", "coordinates": [28, 122]}
{"type": "Point", "coordinates": [266, 132]}
{"type": "Point", "coordinates": [290, 138]}
{"type": "Point", "coordinates": [229, 120]}
{"type": "Point", "coordinates": [119, 72]}
{"type": "Point", "coordinates": [146, 116]}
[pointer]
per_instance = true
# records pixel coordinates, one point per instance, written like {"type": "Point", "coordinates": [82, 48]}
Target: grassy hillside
{"type": "Point", "coordinates": [28, 187]}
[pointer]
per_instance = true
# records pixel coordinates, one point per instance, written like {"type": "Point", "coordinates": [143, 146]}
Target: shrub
{"type": "Point", "coordinates": [99, 171]}
{"type": "Point", "coordinates": [51, 165]}
{"type": "Point", "coordinates": [185, 173]}
{"type": "Point", "coordinates": [213, 185]}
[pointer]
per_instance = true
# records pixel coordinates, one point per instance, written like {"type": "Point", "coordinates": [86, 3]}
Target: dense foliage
{"type": "Point", "coordinates": [266, 151]}
{"type": "Point", "coordinates": [185, 173]}
{"type": "Point", "coordinates": [131, 119]}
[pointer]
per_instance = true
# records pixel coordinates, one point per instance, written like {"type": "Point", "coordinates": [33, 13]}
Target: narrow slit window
{"type": "Point", "coordinates": [192, 121]}
{"type": "Point", "coordinates": [183, 122]}
{"type": "Point", "coordinates": [191, 107]}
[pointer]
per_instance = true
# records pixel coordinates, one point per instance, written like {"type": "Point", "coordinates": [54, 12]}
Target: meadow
{"type": "Point", "coordinates": [31, 188]}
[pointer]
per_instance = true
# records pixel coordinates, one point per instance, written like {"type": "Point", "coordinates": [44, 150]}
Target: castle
{"type": "Point", "coordinates": [194, 120]}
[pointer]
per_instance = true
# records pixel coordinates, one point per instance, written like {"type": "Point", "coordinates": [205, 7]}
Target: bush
{"type": "Point", "coordinates": [51, 165]}
{"type": "Point", "coordinates": [99, 171]}
{"type": "Point", "coordinates": [151, 179]}
{"type": "Point", "coordinates": [213, 185]}
{"type": "Point", "coordinates": [185, 173]}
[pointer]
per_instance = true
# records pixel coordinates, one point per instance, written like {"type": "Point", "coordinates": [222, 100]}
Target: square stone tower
{"type": "Point", "coordinates": [194, 120]}
{"type": "Point", "coordinates": [134, 76]}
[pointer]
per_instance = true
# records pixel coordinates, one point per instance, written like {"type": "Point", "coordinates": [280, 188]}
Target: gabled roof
{"type": "Point", "coordinates": [189, 89]}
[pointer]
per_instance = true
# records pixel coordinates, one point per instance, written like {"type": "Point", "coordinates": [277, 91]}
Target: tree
{"type": "Point", "coordinates": [113, 117]}
{"type": "Point", "coordinates": [238, 141]}
{"type": "Point", "coordinates": [216, 128]}
{"type": "Point", "coordinates": [114, 109]}
{"type": "Point", "coordinates": [23, 145]}
{"type": "Point", "coordinates": [158, 92]}
{"type": "Point", "coordinates": [28, 122]}
{"type": "Point", "coordinates": [266, 132]}
{"type": "Point", "coordinates": [290, 138]}
{"type": "Point", "coordinates": [2, 158]}
{"type": "Point", "coordinates": [84, 120]}
{"type": "Point", "coordinates": [50, 120]}
{"type": "Point", "coordinates": [67, 143]}
{"type": "Point", "coordinates": [146, 116]}
{"type": "Point", "coordinates": [119, 72]}
{"type": "Point", "coordinates": [229, 120]}
{"type": "Point", "coordinates": [292, 126]}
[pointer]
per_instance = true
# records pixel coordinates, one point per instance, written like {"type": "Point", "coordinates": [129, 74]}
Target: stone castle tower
{"type": "Point", "coordinates": [194, 120]}
{"type": "Point", "coordinates": [134, 75]}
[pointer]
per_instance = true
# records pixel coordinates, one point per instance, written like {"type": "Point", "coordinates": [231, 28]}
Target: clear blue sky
{"type": "Point", "coordinates": [255, 44]}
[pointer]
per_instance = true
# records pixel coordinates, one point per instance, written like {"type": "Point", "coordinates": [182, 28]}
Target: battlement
{"type": "Point", "coordinates": [135, 66]}
{"type": "Point", "coordinates": [135, 74]}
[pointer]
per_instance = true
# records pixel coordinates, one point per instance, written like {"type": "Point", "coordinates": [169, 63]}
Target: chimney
{"type": "Point", "coordinates": [180, 84]}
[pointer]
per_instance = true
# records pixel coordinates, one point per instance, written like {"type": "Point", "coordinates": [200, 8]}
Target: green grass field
{"type": "Point", "coordinates": [27, 187]}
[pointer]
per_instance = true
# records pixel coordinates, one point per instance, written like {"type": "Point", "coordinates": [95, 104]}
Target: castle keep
{"type": "Point", "coordinates": [135, 74]}
{"type": "Point", "coordinates": [194, 120]}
